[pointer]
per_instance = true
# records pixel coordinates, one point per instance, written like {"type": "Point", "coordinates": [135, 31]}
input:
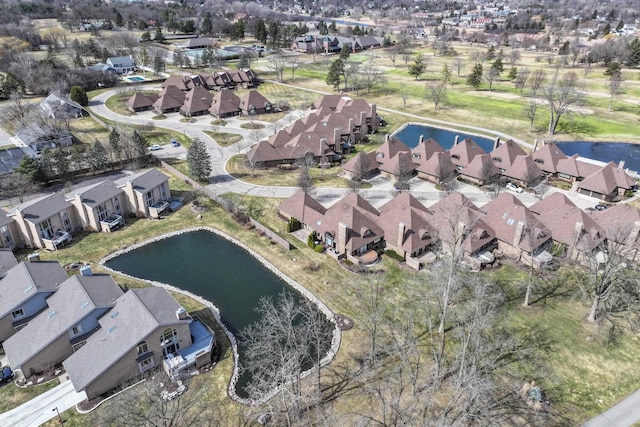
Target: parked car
{"type": "Point", "coordinates": [600, 207]}
{"type": "Point", "coordinates": [154, 147]}
{"type": "Point", "coordinates": [7, 375]}
{"type": "Point", "coordinates": [175, 143]}
{"type": "Point", "coordinates": [513, 187]}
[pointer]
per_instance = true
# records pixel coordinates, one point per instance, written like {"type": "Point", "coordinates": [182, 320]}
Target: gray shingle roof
{"type": "Point", "coordinates": [74, 300]}
{"type": "Point", "coordinates": [25, 280]}
{"type": "Point", "coordinates": [136, 314]}
{"type": "Point", "coordinates": [7, 261]}
{"type": "Point", "coordinates": [36, 211]}
{"type": "Point", "coordinates": [144, 181]}
{"type": "Point", "coordinates": [95, 194]}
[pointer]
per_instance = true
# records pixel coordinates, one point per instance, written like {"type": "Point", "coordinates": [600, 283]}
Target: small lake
{"type": "Point", "coordinates": [212, 267]}
{"type": "Point", "coordinates": [410, 135]}
{"type": "Point", "coordinates": [605, 152]}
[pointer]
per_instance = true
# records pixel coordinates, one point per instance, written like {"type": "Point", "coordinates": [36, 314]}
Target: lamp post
{"type": "Point", "coordinates": [60, 421]}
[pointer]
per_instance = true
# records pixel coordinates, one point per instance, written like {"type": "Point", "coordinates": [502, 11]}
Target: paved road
{"type": "Point", "coordinates": [42, 408]}
{"type": "Point", "coordinates": [624, 414]}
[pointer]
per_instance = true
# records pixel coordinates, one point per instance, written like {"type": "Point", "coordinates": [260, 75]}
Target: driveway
{"type": "Point", "coordinates": [41, 409]}
{"type": "Point", "coordinates": [624, 414]}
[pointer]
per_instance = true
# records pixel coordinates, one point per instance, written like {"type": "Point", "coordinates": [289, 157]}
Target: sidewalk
{"type": "Point", "coordinates": [624, 414]}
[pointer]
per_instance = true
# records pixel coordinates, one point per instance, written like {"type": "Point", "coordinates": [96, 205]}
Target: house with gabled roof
{"type": "Point", "coordinates": [361, 166]}
{"type": "Point", "coordinates": [183, 83]}
{"type": "Point", "coordinates": [330, 101]}
{"type": "Point", "coordinates": [438, 168]}
{"type": "Point", "coordinates": [246, 77]}
{"type": "Point", "coordinates": [24, 291]}
{"type": "Point", "coordinates": [408, 229]}
{"type": "Point", "coordinates": [141, 102]}
{"type": "Point", "coordinates": [99, 206]}
{"type": "Point", "coordinates": [302, 207]}
{"type": "Point", "coordinates": [607, 183]}
{"type": "Point", "coordinates": [480, 170]}
{"type": "Point", "coordinates": [547, 157]}
{"type": "Point", "coordinates": [505, 154]}
{"type": "Point", "coordinates": [147, 193]}
{"type": "Point", "coordinates": [197, 102]}
{"type": "Point", "coordinates": [576, 232]}
{"type": "Point", "coordinates": [145, 328]}
{"type": "Point", "coordinates": [389, 149]}
{"type": "Point", "coordinates": [464, 151]}
{"type": "Point", "coordinates": [523, 171]}
{"type": "Point", "coordinates": [399, 167]}
{"type": "Point", "coordinates": [40, 219]}
{"type": "Point", "coordinates": [198, 43]}
{"type": "Point", "coordinates": [521, 234]}
{"type": "Point", "coordinates": [70, 318]}
{"type": "Point", "coordinates": [573, 169]}
{"type": "Point", "coordinates": [122, 64]}
{"type": "Point", "coordinates": [253, 102]}
{"type": "Point", "coordinates": [225, 103]}
{"type": "Point", "coordinates": [425, 149]}
{"type": "Point", "coordinates": [621, 224]}
{"type": "Point", "coordinates": [169, 100]}
{"type": "Point", "coordinates": [461, 228]}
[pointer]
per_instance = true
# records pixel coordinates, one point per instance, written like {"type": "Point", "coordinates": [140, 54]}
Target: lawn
{"type": "Point", "coordinates": [87, 131]}
{"type": "Point", "coordinates": [224, 139]}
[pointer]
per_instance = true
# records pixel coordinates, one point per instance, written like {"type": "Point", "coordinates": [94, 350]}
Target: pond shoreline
{"type": "Point", "coordinates": [336, 338]}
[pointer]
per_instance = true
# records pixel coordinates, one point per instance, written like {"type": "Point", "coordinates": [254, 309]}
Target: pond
{"type": "Point", "coordinates": [212, 267]}
{"type": "Point", "coordinates": [410, 136]}
{"type": "Point", "coordinates": [605, 152]}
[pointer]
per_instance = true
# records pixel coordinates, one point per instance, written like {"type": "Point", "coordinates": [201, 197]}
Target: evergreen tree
{"type": "Point", "coordinates": [475, 77]}
{"type": "Point", "coordinates": [513, 73]}
{"type": "Point", "coordinates": [613, 70]}
{"type": "Point", "coordinates": [498, 66]}
{"type": "Point", "coordinates": [633, 60]}
{"type": "Point", "coordinates": [207, 26]}
{"type": "Point", "coordinates": [260, 31]}
{"type": "Point", "coordinates": [159, 37]}
{"type": "Point", "coordinates": [199, 160]}
{"type": "Point", "coordinates": [336, 70]}
{"type": "Point", "coordinates": [114, 142]}
{"type": "Point", "coordinates": [345, 52]}
{"type": "Point", "coordinates": [98, 157]}
{"type": "Point", "coordinates": [31, 168]}
{"type": "Point", "coordinates": [417, 67]}
{"type": "Point", "coordinates": [119, 20]}
{"type": "Point", "coordinates": [139, 143]}
{"type": "Point", "coordinates": [491, 53]}
{"type": "Point", "coordinates": [77, 94]}
{"type": "Point", "coordinates": [446, 73]}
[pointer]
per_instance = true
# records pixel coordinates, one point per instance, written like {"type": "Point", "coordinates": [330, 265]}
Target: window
{"type": "Point", "coordinates": [116, 205]}
{"type": "Point", "coordinates": [169, 341]}
{"type": "Point", "coordinates": [102, 212]}
{"type": "Point", "coordinates": [146, 364]}
{"type": "Point", "coordinates": [17, 313]}
{"type": "Point", "coordinates": [46, 229]}
{"type": "Point", "coordinates": [77, 345]}
{"type": "Point", "coordinates": [163, 191]}
{"type": "Point", "coordinates": [151, 200]}
{"type": "Point", "coordinates": [142, 348]}
{"type": "Point", "coordinates": [76, 330]}
{"type": "Point", "coordinates": [64, 215]}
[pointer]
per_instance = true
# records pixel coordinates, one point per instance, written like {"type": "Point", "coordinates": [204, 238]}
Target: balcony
{"type": "Point", "coordinates": [197, 354]}
{"type": "Point", "coordinates": [59, 238]}
{"type": "Point", "coordinates": [111, 223]}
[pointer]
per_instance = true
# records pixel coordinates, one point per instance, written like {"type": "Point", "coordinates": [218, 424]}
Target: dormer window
{"type": "Point", "coordinates": [455, 156]}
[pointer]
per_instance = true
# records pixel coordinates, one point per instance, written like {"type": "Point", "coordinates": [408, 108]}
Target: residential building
{"type": "Point", "coordinates": [7, 261]}
{"type": "Point", "coordinates": [621, 224]}
{"type": "Point", "coordinates": [169, 100]}
{"type": "Point", "coordinates": [24, 291]}
{"type": "Point", "coordinates": [146, 328]}
{"type": "Point", "coordinates": [302, 207]}
{"type": "Point", "coordinates": [122, 64]}
{"type": "Point", "coordinates": [254, 103]}
{"type": "Point", "coordinates": [99, 207]}
{"type": "Point", "coordinates": [197, 102]}
{"type": "Point", "coordinates": [64, 326]}
{"type": "Point", "coordinates": [9, 233]}
{"type": "Point", "coordinates": [141, 102]}
{"type": "Point", "coordinates": [198, 43]}
{"type": "Point", "coordinates": [547, 158]}
{"type": "Point", "coordinates": [464, 151]}
{"type": "Point", "coordinates": [504, 155]}
{"type": "Point", "coordinates": [607, 183]}
{"type": "Point", "coordinates": [361, 166]}
{"type": "Point", "coordinates": [44, 222]}
{"type": "Point", "coordinates": [147, 193]}
{"type": "Point", "coordinates": [225, 103]}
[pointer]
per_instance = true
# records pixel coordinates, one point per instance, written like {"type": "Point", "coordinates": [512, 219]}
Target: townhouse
{"type": "Point", "coordinates": [49, 221]}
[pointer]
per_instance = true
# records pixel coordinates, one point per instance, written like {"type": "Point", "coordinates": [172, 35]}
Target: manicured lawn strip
{"type": "Point", "coordinates": [224, 139]}
{"type": "Point", "coordinates": [12, 396]}
{"type": "Point", "coordinates": [87, 131]}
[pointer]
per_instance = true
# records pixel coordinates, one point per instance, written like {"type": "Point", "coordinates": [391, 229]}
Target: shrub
{"type": "Point", "coordinates": [319, 249]}
{"type": "Point", "coordinates": [393, 255]}
{"type": "Point", "coordinates": [293, 225]}
{"type": "Point", "coordinates": [311, 240]}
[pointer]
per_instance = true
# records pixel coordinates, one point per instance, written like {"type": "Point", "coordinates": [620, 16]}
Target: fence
{"type": "Point", "coordinates": [222, 202]}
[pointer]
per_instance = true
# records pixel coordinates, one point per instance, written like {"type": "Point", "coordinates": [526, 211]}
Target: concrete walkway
{"type": "Point", "coordinates": [41, 409]}
{"type": "Point", "coordinates": [624, 414]}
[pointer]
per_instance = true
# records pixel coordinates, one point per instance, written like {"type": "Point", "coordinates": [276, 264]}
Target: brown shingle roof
{"type": "Point", "coordinates": [607, 180]}
{"type": "Point", "coordinates": [303, 207]}
{"type": "Point", "coordinates": [548, 156]}
{"type": "Point", "coordinates": [418, 229]}
{"type": "Point", "coordinates": [480, 168]}
{"type": "Point", "coordinates": [425, 149]}
{"type": "Point", "coordinates": [464, 151]}
{"type": "Point", "coordinates": [170, 98]}
{"type": "Point", "coordinates": [506, 154]}
{"type": "Point", "coordinates": [619, 222]}
{"type": "Point", "coordinates": [362, 163]}
{"type": "Point", "coordinates": [140, 100]}
{"type": "Point", "coordinates": [197, 100]}
{"type": "Point", "coordinates": [224, 102]}
{"type": "Point", "coordinates": [524, 169]}
{"type": "Point", "coordinates": [253, 98]}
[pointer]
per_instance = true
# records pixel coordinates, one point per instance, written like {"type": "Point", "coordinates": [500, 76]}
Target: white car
{"type": "Point", "coordinates": [154, 147]}
{"type": "Point", "coordinates": [513, 187]}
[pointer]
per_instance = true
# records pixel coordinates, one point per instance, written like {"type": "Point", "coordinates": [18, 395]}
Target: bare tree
{"type": "Point", "coordinates": [535, 80]}
{"type": "Point", "coordinates": [562, 94]}
{"type": "Point", "coordinates": [437, 93]}
{"type": "Point", "coordinates": [404, 94]}
{"type": "Point", "coordinates": [514, 56]}
{"type": "Point", "coordinates": [530, 109]}
{"type": "Point", "coordinates": [370, 74]}
{"type": "Point", "coordinates": [17, 185]}
{"type": "Point", "coordinates": [491, 75]}
{"type": "Point", "coordinates": [277, 63]}
{"type": "Point", "coordinates": [521, 80]}
{"type": "Point", "coordinates": [458, 63]}
{"type": "Point", "coordinates": [616, 87]}
{"type": "Point", "coordinates": [305, 180]}
{"type": "Point", "coordinates": [392, 54]}
{"type": "Point", "coordinates": [293, 63]}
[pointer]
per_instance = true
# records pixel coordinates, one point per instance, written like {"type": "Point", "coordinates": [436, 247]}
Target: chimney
{"type": "Point", "coordinates": [401, 229]}
{"type": "Point", "coordinates": [363, 122]}
{"type": "Point", "coordinates": [336, 139]}
{"type": "Point", "coordinates": [421, 140]}
{"type": "Point", "coordinates": [577, 232]}
{"type": "Point", "coordinates": [342, 238]}
{"type": "Point", "coordinates": [34, 257]}
{"type": "Point", "coordinates": [456, 140]}
{"type": "Point", "coordinates": [535, 146]}
{"type": "Point", "coordinates": [374, 114]}
{"type": "Point", "coordinates": [351, 126]}
{"type": "Point", "coordinates": [85, 270]}
{"type": "Point", "coordinates": [621, 164]}
{"type": "Point", "coordinates": [181, 313]}
{"type": "Point", "coordinates": [496, 144]}
{"type": "Point", "coordinates": [517, 236]}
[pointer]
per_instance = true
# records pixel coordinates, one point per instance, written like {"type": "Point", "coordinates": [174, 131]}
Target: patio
{"type": "Point", "coordinates": [198, 353]}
